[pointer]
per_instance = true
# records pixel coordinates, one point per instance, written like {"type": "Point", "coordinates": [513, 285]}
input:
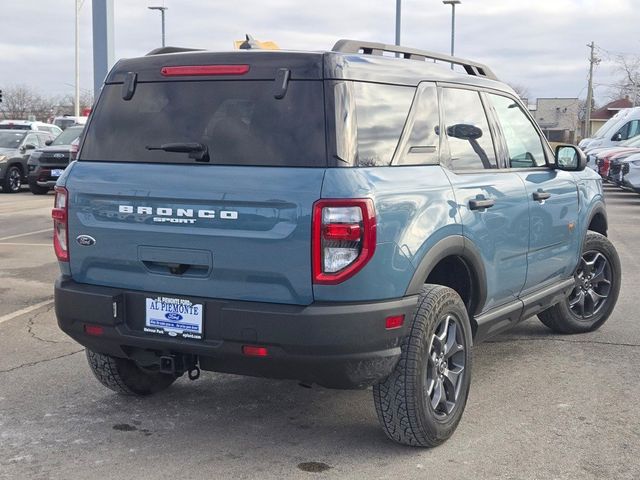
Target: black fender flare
{"type": "Point", "coordinates": [454, 245]}
{"type": "Point", "coordinates": [598, 208]}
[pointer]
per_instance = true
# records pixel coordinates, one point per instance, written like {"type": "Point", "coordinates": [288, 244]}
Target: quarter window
{"type": "Point", "coordinates": [524, 146]}
{"type": "Point", "coordinates": [467, 131]}
{"type": "Point", "coordinates": [420, 145]}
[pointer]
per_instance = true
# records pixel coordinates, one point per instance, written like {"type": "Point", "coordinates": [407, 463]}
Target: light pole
{"type": "Point", "coordinates": [398, 11]}
{"type": "Point", "coordinates": [76, 109]}
{"type": "Point", "coordinates": [453, 4]}
{"type": "Point", "coordinates": [162, 10]}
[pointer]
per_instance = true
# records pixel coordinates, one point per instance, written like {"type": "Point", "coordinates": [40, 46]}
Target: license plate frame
{"type": "Point", "coordinates": [174, 317]}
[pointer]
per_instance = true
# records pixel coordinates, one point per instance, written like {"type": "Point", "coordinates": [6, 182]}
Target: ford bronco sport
{"type": "Point", "coordinates": [343, 218]}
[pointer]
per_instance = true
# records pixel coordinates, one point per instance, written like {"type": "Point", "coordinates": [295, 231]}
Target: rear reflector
{"type": "Point", "coordinates": [195, 70]}
{"type": "Point", "coordinates": [254, 351]}
{"type": "Point", "coordinates": [394, 322]}
{"type": "Point", "coordinates": [95, 330]}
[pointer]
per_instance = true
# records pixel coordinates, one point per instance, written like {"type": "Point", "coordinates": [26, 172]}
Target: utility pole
{"type": "Point", "coordinates": [587, 117]}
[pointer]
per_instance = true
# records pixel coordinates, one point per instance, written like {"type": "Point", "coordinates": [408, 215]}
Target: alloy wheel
{"type": "Point", "coordinates": [445, 366]}
{"type": "Point", "coordinates": [593, 284]}
{"type": "Point", "coordinates": [14, 180]}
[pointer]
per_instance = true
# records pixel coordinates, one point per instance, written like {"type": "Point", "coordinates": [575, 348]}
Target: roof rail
{"type": "Point", "coordinates": [162, 50]}
{"type": "Point", "coordinates": [373, 48]}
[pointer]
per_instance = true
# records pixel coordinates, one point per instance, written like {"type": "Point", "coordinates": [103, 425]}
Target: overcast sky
{"type": "Point", "coordinates": [540, 45]}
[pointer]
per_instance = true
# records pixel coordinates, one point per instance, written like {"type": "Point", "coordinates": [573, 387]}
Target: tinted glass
{"type": "Point", "coordinates": [240, 123]}
{"type": "Point", "coordinates": [11, 139]}
{"type": "Point", "coordinates": [524, 145]}
{"type": "Point", "coordinates": [421, 145]}
{"type": "Point", "coordinates": [13, 126]}
{"type": "Point", "coordinates": [467, 131]}
{"type": "Point", "coordinates": [381, 111]}
{"type": "Point", "coordinates": [67, 136]}
{"type": "Point", "coordinates": [634, 129]}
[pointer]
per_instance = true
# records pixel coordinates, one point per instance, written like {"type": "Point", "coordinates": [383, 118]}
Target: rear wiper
{"type": "Point", "coordinates": [197, 151]}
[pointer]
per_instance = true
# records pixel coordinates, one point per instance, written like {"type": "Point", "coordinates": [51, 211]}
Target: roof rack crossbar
{"type": "Point", "coordinates": [374, 48]}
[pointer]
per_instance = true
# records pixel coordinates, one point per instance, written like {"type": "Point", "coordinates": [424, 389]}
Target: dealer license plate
{"type": "Point", "coordinates": [175, 317]}
{"type": "Point", "coordinates": [56, 172]}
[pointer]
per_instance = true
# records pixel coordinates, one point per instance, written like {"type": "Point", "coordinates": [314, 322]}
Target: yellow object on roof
{"type": "Point", "coordinates": [251, 43]}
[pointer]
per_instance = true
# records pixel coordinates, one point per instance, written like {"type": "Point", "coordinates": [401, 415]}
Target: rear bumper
{"type": "Point", "coordinates": [336, 345]}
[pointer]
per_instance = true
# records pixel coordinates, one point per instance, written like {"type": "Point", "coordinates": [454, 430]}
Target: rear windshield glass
{"type": "Point", "coordinates": [239, 122]}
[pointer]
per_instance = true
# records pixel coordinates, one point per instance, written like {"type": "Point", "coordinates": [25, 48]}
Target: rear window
{"type": "Point", "coordinates": [240, 123]}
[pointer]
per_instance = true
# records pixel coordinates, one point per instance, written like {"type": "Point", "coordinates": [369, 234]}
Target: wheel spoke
{"type": "Point", "coordinates": [578, 303]}
{"type": "Point", "coordinates": [438, 394]}
{"type": "Point", "coordinates": [450, 380]}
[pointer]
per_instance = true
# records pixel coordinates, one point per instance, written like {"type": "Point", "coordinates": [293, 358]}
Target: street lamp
{"type": "Point", "coordinates": [162, 10]}
{"type": "Point", "coordinates": [453, 4]}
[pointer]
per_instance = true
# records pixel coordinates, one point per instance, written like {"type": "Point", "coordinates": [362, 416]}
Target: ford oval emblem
{"type": "Point", "coordinates": [86, 240]}
{"type": "Point", "coordinates": [174, 317]}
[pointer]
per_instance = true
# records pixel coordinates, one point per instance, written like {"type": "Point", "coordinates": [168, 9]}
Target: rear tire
{"type": "Point", "coordinates": [125, 377]}
{"type": "Point", "coordinates": [12, 181]}
{"type": "Point", "coordinates": [37, 189]}
{"type": "Point", "coordinates": [422, 401]}
{"type": "Point", "coordinates": [595, 293]}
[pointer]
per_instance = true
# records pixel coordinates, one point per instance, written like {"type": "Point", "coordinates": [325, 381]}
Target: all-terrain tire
{"type": "Point", "coordinates": [125, 377]}
{"type": "Point", "coordinates": [561, 318]}
{"type": "Point", "coordinates": [403, 403]}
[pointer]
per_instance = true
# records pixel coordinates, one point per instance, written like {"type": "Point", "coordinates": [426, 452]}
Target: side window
{"type": "Point", "coordinates": [420, 144]}
{"type": "Point", "coordinates": [630, 130]}
{"type": "Point", "coordinates": [381, 111]}
{"type": "Point", "coordinates": [467, 130]}
{"type": "Point", "coordinates": [32, 139]}
{"type": "Point", "coordinates": [524, 145]}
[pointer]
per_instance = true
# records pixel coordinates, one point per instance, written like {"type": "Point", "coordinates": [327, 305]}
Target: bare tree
{"type": "Point", "coordinates": [21, 102]}
{"type": "Point", "coordinates": [628, 84]}
{"type": "Point", "coordinates": [66, 104]}
{"type": "Point", "coordinates": [521, 91]}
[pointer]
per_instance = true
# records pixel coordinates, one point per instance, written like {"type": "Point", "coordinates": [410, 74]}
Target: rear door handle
{"type": "Point", "coordinates": [480, 204]}
{"type": "Point", "coordinates": [541, 195]}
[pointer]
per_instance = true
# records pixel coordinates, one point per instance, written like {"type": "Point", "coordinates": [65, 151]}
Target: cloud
{"type": "Point", "coordinates": [540, 45]}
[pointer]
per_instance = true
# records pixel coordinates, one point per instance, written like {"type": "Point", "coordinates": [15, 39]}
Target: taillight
{"type": "Point", "coordinates": [60, 214]}
{"type": "Point", "coordinates": [73, 151]}
{"type": "Point", "coordinates": [344, 238]}
{"type": "Point", "coordinates": [197, 70]}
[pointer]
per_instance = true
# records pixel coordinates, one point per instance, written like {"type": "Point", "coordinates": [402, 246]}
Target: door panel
{"type": "Point", "coordinates": [500, 232]}
{"type": "Point", "coordinates": [554, 242]}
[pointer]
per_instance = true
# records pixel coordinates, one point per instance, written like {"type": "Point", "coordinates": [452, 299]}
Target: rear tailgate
{"type": "Point", "coordinates": [231, 220]}
{"type": "Point", "coordinates": [210, 231]}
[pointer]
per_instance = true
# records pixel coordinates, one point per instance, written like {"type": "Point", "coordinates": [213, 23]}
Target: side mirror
{"type": "Point", "coordinates": [570, 158]}
{"type": "Point", "coordinates": [29, 146]}
{"type": "Point", "coordinates": [617, 137]}
{"type": "Point", "coordinates": [464, 131]}
{"type": "Point", "coordinates": [48, 142]}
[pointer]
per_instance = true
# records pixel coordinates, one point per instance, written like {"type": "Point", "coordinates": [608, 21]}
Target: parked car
{"type": "Point", "coordinates": [46, 164]}
{"type": "Point", "coordinates": [594, 153]}
{"type": "Point", "coordinates": [28, 125]}
{"type": "Point", "coordinates": [68, 120]}
{"type": "Point", "coordinates": [622, 126]}
{"type": "Point", "coordinates": [345, 218]}
{"type": "Point", "coordinates": [15, 148]}
{"type": "Point", "coordinates": [629, 176]}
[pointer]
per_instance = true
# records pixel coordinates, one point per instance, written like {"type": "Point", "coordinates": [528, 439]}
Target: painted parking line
{"type": "Point", "coordinates": [24, 311]}
{"type": "Point", "coordinates": [27, 244]}
{"type": "Point", "coordinates": [11, 237]}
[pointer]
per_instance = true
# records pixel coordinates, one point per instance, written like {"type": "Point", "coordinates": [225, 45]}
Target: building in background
{"type": "Point", "coordinates": [558, 118]}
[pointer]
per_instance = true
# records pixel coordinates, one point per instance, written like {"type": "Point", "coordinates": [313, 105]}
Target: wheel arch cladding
{"type": "Point", "coordinates": [453, 262]}
{"type": "Point", "coordinates": [598, 220]}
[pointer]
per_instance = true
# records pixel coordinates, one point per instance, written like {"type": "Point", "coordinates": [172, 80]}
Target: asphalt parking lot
{"type": "Point", "coordinates": [541, 405]}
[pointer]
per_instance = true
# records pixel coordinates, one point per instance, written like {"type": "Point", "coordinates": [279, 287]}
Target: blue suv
{"type": "Point", "coordinates": [351, 218]}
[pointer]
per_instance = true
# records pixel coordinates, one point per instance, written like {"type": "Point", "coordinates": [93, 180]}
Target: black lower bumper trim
{"type": "Point", "coordinates": [336, 345]}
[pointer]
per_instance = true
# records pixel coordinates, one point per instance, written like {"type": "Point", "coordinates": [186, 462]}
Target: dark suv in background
{"type": "Point", "coordinates": [47, 164]}
{"type": "Point", "coordinates": [16, 147]}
